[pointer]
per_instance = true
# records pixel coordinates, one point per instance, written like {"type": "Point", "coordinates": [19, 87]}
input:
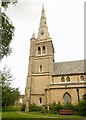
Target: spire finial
{"type": "Point", "coordinates": [42, 6]}
{"type": "Point", "coordinates": [33, 35]}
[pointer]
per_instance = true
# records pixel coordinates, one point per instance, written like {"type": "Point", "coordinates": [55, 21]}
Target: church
{"type": "Point", "coordinates": [48, 81]}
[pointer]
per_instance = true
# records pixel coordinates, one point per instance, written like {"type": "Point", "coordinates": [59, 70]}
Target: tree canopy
{"type": "Point", "coordinates": [9, 94]}
{"type": "Point", "coordinates": [7, 34]}
{"type": "Point", "coordinates": [6, 30]}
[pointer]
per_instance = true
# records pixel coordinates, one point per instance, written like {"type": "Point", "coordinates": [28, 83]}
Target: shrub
{"type": "Point", "coordinates": [34, 107]}
{"type": "Point", "coordinates": [11, 108]}
{"type": "Point", "coordinates": [59, 107]}
{"type": "Point", "coordinates": [54, 108]}
{"type": "Point", "coordinates": [44, 109]}
{"type": "Point", "coordinates": [69, 106]}
{"type": "Point", "coordinates": [23, 107]}
{"type": "Point", "coordinates": [82, 108]}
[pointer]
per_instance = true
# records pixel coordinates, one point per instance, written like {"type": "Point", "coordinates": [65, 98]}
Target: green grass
{"type": "Point", "coordinates": [18, 114]}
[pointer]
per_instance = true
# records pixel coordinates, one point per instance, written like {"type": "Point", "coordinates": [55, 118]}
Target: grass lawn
{"type": "Point", "coordinates": [18, 114]}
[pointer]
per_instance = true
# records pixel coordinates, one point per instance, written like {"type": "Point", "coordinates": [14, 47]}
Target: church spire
{"type": "Point", "coordinates": [33, 35]}
{"type": "Point", "coordinates": [43, 29]}
{"type": "Point", "coordinates": [43, 12]}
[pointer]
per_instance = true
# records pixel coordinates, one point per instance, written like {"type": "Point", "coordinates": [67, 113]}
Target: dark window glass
{"type": "Point", "coordinates": [40, 100]}
{"type": "Point", "coordinates": [40, 68]}
{"type": "Point", "coordinates": [39, 50]}
{"type": "Point", "coordinates": [43, 49]}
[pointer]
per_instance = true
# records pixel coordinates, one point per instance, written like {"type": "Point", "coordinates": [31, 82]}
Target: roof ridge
{"type": "Point", "coordinates": [71, 61]}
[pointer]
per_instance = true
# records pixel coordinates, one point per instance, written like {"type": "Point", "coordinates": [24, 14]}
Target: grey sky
{"type": "Point", "coordinates": [65, 19]}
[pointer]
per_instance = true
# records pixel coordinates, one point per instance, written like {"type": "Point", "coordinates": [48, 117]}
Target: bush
{"type": "Point", "coordinates": [72, 107]}
{"type": "Point", "coordinates": [59, 107]}
{"type": "Point", "coordinates": [34, 107]}
{"type": "Point", "coordinates": [54, 108]}
{"type": "Point", "coordinates": [82, 108]}
{"type": "Point", "coordinates": [68, 106]}
{"type": "Point", "coordinates": [44, 109]}
{"type": "Point", "coordinates": [23, 107]}
{"type": "Point", "coordinates": [11, 108]}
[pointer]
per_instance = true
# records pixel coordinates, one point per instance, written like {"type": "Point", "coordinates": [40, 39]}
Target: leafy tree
{"type": "Point", "coordinates": [6, 3]}
{"type": "Point", "coordinates": [6, 30]}
{"type": "Point", "coordinates": [82, 108]}
{"type": "Point", "coordinates": [9, 94]}
{"type": "Point", "coordinates": [7, 34]}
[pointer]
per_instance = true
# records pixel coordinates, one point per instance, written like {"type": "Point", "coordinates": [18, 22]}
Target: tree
{"type": "Point", "coordinates": [7, 31]}
{"type": "Point", "coordinates": [82, 108]}
{"type": "Point", "coordinates": [9, 94]}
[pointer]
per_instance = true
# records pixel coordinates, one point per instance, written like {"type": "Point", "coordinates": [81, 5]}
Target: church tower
{"type": "Point", "coordinates": [40, 67]}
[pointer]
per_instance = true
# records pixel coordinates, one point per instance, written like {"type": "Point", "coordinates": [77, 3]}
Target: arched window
{"type": "Point", "coordinates": [68, 79]}
{"type": "Point", "coordinates": [82, 78]}
{"type": "Point", "coordinates": [67, 98]}
{"type": "Point", "coordinates": [40, 100]}
{"type": "Point", "coordinates": [62, 79]}
{"type": "Point", "coordinates": [40, 68]}
{"type": "Point", "coordinates": [39, 50]}
{"type": "Point", "coordinates": [43, 49]}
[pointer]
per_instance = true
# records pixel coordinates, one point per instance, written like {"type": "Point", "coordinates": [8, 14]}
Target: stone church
{"type": "Point", "coordinates": [47, 81]}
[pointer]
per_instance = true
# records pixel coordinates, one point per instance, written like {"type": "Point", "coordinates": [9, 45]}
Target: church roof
{"type": "Point", "coordinates": [71, 67]}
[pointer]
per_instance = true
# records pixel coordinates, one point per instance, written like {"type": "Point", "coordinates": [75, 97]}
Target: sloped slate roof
{"type": "Point", "coordinates": [71, 67]}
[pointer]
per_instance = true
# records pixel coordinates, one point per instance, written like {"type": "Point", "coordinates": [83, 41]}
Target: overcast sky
{"type": "Point", "coordinates": [65, 19]}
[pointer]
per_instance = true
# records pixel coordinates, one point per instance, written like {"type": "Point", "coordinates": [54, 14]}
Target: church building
{"type": "Point", "coordinates": [48, 81]}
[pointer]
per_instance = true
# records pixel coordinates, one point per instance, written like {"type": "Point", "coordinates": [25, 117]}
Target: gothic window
{"type": "Point", "coordinates": [41, 68]}
{"type": "Point", "coordinates": [68, 79]}
{"type": "Point", "coordinates": [82, 78]}
{"type": "Point", "coordinates": [40, 100]}
{"type": "Point", "coordinates": [39, 50]}
{"type": "Point", "coordinates": [67, 98]}
{"type": "Point", "coordinates": [43, 49]}
{"type": "Point", "coordinates": [62, 79]}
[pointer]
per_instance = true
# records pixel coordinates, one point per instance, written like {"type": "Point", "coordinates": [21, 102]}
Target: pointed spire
{"type": "Point", "coordinates": [43, 18]}
{"type": "Point", "coordinates": [43, 11]}
{"type": "Point", "coordinates": [33, 35]}
{"type": "Point", "coordinates": [43, 6]}
{"type": "Point", "coordinates": [43, 29]}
